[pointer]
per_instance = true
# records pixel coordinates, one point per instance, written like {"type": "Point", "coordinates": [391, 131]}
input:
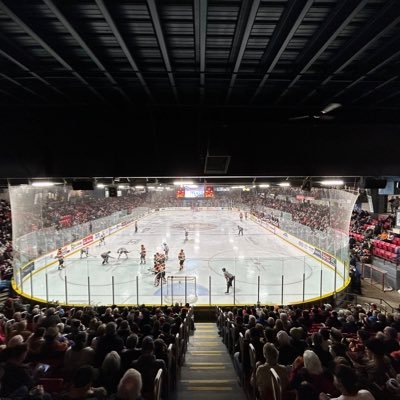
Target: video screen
{"type": "Point", "coordinates": [195, 191]}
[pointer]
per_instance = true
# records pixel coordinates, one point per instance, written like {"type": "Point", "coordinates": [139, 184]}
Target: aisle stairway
{"type": "Point", "coordinates": [208, 370]}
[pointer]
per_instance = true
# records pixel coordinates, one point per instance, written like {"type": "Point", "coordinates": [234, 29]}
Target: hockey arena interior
{"type": "Point", "coordinates": [199, 199]}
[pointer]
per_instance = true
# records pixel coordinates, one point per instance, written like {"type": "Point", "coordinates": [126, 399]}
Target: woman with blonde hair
{"type": "Point", "coordinates": [309, 368]}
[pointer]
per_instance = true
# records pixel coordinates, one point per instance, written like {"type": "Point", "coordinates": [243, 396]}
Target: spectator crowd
{"type": "Point", "coordinates": [318, 353]}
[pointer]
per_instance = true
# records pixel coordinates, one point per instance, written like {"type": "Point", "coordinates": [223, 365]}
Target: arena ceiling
{"type": "Point", "coordinates": [154, 87]}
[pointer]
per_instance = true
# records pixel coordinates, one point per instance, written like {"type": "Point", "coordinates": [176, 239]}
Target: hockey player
{"type": "Point", "coordinates": [181, 258]}
{"type": "Point", "coordinates": [84, 251]}
{"type": "Point", "coordinates": [102, 240]}
{"type": "Point", "coordinates": [160, 274]}
{"type": "Point", "coordinates": [186, 236]}
{"type": "Point", "coordinates": [240, 231]}
{"type": "Point", "coordinates": [241, 216]}
{"type": "Point", "coordinates": [166, 250]}
{"type": "Point", "coordinates": [245, 215]}
{"type": "Point", "coordinates": [142, 254]}
{"type": "Point", "coordinates": [105, 256]}
{"type": "Point", "coordinates": [122, 250]}
{"type": "Point", "coordinates": [60, 258]}
{"type": "Point", "coordinates": [229, 279]}
{"type": "Point", "coordinates": [136, 227]}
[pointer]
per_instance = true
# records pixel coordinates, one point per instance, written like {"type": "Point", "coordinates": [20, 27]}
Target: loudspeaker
{"type": "Point", "coordinates": [112, 191]}
{"type": "Point", "coordinates": [82, 185]}
{"type": "Point", "coordinates": [373, 183]}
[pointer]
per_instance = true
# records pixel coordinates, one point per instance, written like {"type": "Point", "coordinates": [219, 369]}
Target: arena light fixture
{"type": "Point", "coordinates": [151, 187]}
{"type": "Point", "coordinates": [139, 187]}
{"type": "Point", "coordinates": [43, 184]}
{"type": "Point", "coordinates": [238, 187]}
{"type": "Point", "coordinates": [180, 183]}
{"type": "Point", "coordinates": [284, 184]}
{"type": "Point", "coordinates": [101, 185]}
{"type": "Point", "coordinates": [264, 185]}
{"type": "Point", "coordinates": [123, 186]}
{"type": "Point", "coordinates": [332, 182]}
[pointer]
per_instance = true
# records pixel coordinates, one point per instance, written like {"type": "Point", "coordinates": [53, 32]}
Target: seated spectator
{"type": "Point", "coordinates": [16, 374]}
{"type": "Point", "coordinates": [297, 340]}
{"type": "Point", "coordinates": [35, 342]}
{"type": "Point", "coordinates": [79, 354]}
{"type": "Point", "coordinates": [287, 353]}
{"type": "Point", "coordinates": [109, 342]}
{"type": "Point", "coordinates": [54, 347]}
{"type": "Point", "coordinates": [124, 330]}
{"type": "Point", "coordinates": [308, 368]}
{"type": "Point", "coordinates": [160, 350]}
{"type": "Point", "coordinates": [384, 236]}
{"type": "Point", "coordinates": [110, 371]}
{"type": "Point", "coordinates": [148, 365]}
{"type": "Point", "coordinates": [131, 353]}
{"type": "Point", "coordinates": [377, 368]}
{"type": "Point", "coordinates": [166, 334]}
{"type": "Point", "coordinates": [263, 373]}
{"type": "Point", "coordinates": [390, 341]}
{"type": "Point", "coordinates": [81, 386]}
{"type": "Point", "coordinates": [345, 380]}
{"type": "Point", "coordinates": [317, 346]}
{"type": "Point", "coordinates": [130, 386]}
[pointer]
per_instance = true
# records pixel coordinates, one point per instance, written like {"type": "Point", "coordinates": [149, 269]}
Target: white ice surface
{"type": "Point", "coordinates": [213, 243]}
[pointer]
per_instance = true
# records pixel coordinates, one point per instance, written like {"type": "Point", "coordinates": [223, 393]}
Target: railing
{"type": "Point", "coordinates": [354, 298]}
{"type": "Point", "coordinates": [126, 281]}
{"type": "Point", "coordinates": [376, 276]}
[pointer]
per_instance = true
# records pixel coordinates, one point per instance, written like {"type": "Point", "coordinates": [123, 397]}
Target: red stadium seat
{"type": "Point", "coordinates": [52, 385]}
{"type": "Point", "coordinates": [392, 247]}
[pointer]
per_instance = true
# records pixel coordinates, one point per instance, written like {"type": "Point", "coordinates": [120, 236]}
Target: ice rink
{"type": "Point", "coordinates": [213, 243]}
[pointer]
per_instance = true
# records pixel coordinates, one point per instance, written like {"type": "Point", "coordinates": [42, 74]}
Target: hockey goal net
{"type": "Point", "coordinates": [181, 289]}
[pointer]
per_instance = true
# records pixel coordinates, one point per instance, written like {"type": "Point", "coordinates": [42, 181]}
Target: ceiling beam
{"type": "Point", "coordinates": [389, 96]}
{"type": "Point", "coordinates": [246, 18]}
{"type": "Point", "coordinates": [290, 20]}
{"type": "Point", "coordinates": [380, 86]}
{"type": "Point", "coordinates": [9, 94]}
{"type": "Point", "coordinates": [368, 72]}
{"type": "Point", "coordinates": [55, 10]}
{"type": "Point", "coordinates": [9, 79]}
{"type": "Point", "coordinates": [368, 35]}
{"type": "Point", "coordinates": [10, 58]}
{"type": "Point", "coordinates": [200, 35]}
{"type": "Point", "coordinates": [319, 43]}
{"type": "Point", "coordinates": [155, 19]}
{"type": "Point", "coordinates": [128, 54]}
{"type": "Point", "coordinates": [50, 50]}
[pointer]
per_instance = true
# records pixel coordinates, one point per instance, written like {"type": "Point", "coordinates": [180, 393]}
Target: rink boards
{"type": "Point", "coordinates": [270, 265]}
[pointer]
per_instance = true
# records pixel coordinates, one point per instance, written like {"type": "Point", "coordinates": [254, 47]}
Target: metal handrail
{"type": "Point", "coordinates": [376, 300]}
